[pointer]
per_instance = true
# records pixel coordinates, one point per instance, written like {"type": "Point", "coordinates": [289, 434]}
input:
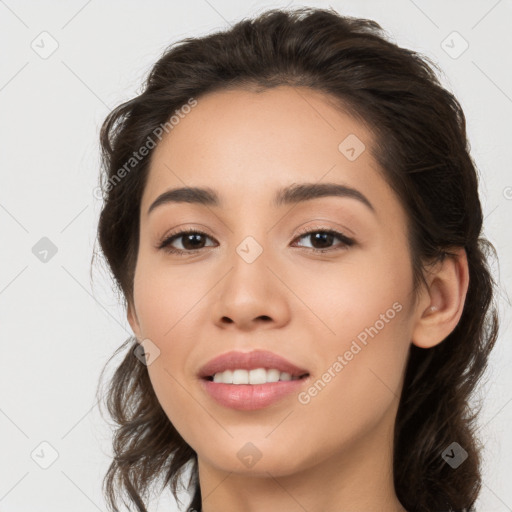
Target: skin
{"type": "Point", "coordinates": [335, 452]}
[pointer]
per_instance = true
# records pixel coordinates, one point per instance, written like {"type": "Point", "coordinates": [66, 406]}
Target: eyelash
{"type": "Point", "coordinates": [165, 243]}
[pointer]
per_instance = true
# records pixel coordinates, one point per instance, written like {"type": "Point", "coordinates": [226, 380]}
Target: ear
{"type": "Point", "coordinates": [441, 309]}
{"type": "Point", "coordinates": [133, 320]}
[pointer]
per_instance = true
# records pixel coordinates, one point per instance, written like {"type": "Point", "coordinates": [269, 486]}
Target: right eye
{"type": "Point", "coordinates": [190, 238]}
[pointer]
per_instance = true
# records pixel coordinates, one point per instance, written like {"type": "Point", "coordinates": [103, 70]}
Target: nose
{"type": "Point", "coordinates": [251, 295]}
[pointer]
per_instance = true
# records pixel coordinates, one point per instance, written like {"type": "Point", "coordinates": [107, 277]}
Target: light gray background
{"type": "Point", "coordinates": [58, 329]}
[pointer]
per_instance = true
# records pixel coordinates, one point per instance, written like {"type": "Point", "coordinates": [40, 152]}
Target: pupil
{"type": "Point", "coordinates": [323, 236]}
{"type": "Point", "coordinates": [188, 239]}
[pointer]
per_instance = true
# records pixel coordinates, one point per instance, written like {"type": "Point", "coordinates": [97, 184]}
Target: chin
{"type": "Point", "coordinates": [249, 460]}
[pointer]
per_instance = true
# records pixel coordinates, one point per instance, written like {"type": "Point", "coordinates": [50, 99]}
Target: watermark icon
{"type": "Point", "coordinates": [146, 352]}
{"type": "Point", "coordinates": [44, 250]}
{"type": "Point", "coordinates": [45, 45]}
{"type": "Point", "coordinates": [454, 45]}
{"type": "Point", "coordinates": [507, 193]}
{"type": "Point", "coordinates": [305, 397]}
{"type": "Point", "coordinates": [351, 147]}
{"type": "Point", "coordinates": [249, 454]}
{"type": "Point", "coordinates": [44, 455]}
{"type": "Point", "coordinates": [149, 144]}
{"type": "Point", "coordinates": [454, 455]}
{"type": "Point", "coordinates": [249, 249]}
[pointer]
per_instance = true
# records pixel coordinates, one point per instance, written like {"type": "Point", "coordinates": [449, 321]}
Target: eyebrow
{"type": "Point", "coordinates": [296, 193]}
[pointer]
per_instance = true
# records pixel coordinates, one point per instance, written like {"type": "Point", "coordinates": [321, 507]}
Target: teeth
{"type": "Point", "coordinates": [256, 376]}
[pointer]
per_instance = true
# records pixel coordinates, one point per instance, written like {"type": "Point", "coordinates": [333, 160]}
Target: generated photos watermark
{"type": "Point", "coordinates": [341, 361]}
{"type": "Point", "coordinates": [149, 144]}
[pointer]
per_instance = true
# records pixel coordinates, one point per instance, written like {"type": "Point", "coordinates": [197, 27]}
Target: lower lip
{"type": "Point", "coordinates": [248, 397]}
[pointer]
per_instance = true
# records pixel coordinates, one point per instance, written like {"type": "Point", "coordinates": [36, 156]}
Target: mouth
{"type": "Point", "coordinates": [255, 367]}
{"type": "Point", "coordinates": [255, 377]}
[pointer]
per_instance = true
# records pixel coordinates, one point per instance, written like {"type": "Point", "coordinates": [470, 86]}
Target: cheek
{"type": "Point", "coordinates": [164, 301]}
{"type": "Point", "coordinates": [360, 380]}
{"type": "Point", "coordinates": [163, 296]}
{"type": "Point", "coordinates": [177, 400]}
{"type": "Point", "coordinates": [365, 339]}
{"type": "Point", "coordinates": [341, 301]}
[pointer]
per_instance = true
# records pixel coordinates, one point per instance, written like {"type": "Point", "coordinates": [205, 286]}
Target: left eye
{"type": "Point", "coordinates": [191, 242]}
{"type": "Point", "coordinates": [326, 236]}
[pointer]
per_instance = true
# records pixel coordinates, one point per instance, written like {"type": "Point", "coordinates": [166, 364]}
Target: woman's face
{"type": "Point", "coordinates": [257, 282]}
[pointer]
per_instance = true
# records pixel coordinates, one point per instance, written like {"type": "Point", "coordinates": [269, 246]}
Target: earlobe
{"type": "Point", "coordinates": [131, 316]}
{"type": "Point", "coordinates": [448, 285]}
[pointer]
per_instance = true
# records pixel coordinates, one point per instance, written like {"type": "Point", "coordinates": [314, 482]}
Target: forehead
{"type": "Point", "coordinates": [248, 144]}
{"type": "Point", "coordinates": [285, 120]}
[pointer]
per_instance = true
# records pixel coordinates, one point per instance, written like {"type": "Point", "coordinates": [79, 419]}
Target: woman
{"type": "Point", "coordinates": [292, 216]}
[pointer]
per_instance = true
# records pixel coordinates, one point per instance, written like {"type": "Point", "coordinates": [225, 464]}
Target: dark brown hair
{"type": "Point", "coordinates": [422, 149]}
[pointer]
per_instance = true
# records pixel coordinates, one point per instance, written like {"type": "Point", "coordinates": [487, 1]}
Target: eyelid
{"type": "Point", "coordinates": [195, 228]}
{"type": "Point", "coordinates": [302, 230]}
{"type": "Point", "coordinates": [344, 232]}
{"type": "Point", "coordinates": [322, 224]}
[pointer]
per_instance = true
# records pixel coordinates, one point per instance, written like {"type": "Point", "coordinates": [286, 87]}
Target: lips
{"type": "Point", "coordinates": [250, 361]}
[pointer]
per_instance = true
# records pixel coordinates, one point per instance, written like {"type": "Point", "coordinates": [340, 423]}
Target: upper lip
{"type": "Point", "coordinates": [249, 361]}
